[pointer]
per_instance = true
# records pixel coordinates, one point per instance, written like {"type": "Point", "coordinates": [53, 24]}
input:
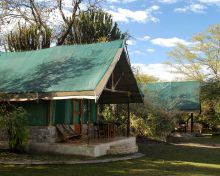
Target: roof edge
{"type": "Point", "coordinates": [47, 96]}
{"type": "Point", "coordinates": [102, 83]}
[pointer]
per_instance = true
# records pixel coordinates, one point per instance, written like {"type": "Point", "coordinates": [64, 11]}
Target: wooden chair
{"type": "Point", "coordinates": [67, 132]}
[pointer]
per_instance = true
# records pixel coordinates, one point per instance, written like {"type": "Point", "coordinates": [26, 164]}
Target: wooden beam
{"type": "Point", "coordinates": [113, 86]}
{"type": "Point", "coordinates": [117, 91]}
{"type": "Point", "coordinates": [122, 74]}
{"type": "Point", "coordinates": [105, 79]}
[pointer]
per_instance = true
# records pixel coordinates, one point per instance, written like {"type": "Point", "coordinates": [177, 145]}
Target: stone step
{"type": "Point", "coordinates": [122, 149]}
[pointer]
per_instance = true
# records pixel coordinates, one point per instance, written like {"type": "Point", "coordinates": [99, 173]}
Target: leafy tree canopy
{"type": "Point", "coordinates": [201, 59]}
{"type": "Point", "coordinates": [141, 77]}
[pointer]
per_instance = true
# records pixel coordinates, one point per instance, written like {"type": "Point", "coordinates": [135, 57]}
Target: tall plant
{"type": "Point", "coordinates": [26, 38]}
{"type": "Point", "coordinates": [94, 26]}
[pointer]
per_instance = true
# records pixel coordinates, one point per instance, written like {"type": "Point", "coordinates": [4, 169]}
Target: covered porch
{"type": "Point", "coordinates": [98, 138]}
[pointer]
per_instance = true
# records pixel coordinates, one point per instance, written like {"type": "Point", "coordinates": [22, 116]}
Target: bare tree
{"type": "Point", "coordinates": [39, 13]}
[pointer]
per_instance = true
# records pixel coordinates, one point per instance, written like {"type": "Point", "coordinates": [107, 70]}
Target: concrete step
{"type": "Point", "coordinates": [123, 149]}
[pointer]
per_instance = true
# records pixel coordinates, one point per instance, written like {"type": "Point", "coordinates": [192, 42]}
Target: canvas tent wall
{"type": "Point", "coordinates": [179, 96]}
{"type": "Point", "coordinates": [62, 112]}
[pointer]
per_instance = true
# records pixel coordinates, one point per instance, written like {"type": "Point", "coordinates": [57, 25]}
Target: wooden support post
{"type": "Point", "coordinates": [88, 120]}
{"type": "Point", "coordinates": [191, 116]}
{"type": "Point", "coordinates": [49, 114]}
{"type": "Point", "coordinates": [128, 120]}
{"type": "Point", "coordinates": [74, 115]}
{"type": "Point", "coordinates": [81, 115]}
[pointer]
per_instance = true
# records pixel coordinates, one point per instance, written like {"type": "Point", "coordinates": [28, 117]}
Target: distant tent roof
{"type": "Point", "coordinates": [182, 96]}
{"type": "Point", "coordinates": [60, 72]}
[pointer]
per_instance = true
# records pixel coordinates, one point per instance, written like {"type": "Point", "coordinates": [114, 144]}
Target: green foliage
{"type": "Point", "coordinates": [211, 90]}
{"type": "Point", "coordinates": [146, 119]}
{"type": "Point", "coordinates": [161, 123]}
{"type": "Point", "coordinates": [210, 97]}
{"type": "Point", "coordinates": [141, 77]}
{"type": "Point", "coordinates": [116, 113]}
{"type": "Point", "coordinates": [155, 121]}
{"type": "Point", "coordinates": [144, 78]}
{"type": "Point", "coordinates": [14, 121]}
{"type": "Point", "coordinates": [139, 126]}
{"type": "Point", "coordinates": [112, 113]}
{"type": "Point", "coordinates": [107, 113]}
{"type": "Point", "coordinates": [203, 54]}
{"type": "Point", "coordinates": [26, 38]}
{"type": "Point", "coordinates": [94, 26]}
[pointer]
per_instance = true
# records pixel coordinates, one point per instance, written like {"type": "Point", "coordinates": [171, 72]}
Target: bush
{"type": "Point", "coordinates": [161, 123]}
{"type": "Point", "coordinates": [139, 127]}
{"type": "Point", "coordinates": [210, 98]}
{"type": "Point", "coordinates": [111, 113]}
{"type": "Point", "coordinates": [14, 120]}
{"type": "Point", "coordinates": [146, 119]}
{"type": "Point", "coordinates": [153, 121]}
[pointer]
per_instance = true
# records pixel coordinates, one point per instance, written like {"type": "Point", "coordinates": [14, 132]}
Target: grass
{"type": "Point", "coordinates": [206, 139]}
{"type": "Point", "coordinates": [161, 159]}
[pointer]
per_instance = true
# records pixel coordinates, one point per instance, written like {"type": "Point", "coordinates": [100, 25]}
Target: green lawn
{"type": "Point", "coordinates": [161, 159]}
{"type": "Point", "coordinates": [206, 139]}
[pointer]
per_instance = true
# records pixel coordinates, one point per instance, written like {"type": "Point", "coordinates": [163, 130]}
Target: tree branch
{"type": "Point", "coordinates": [36, 13]}
{"type": "Point", "coordinates": [70, 24]}
{"type": "Point", "coordinates": [61, 11]}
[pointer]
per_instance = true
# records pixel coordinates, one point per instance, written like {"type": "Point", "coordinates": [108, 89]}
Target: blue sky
{"type": "Point", "coordinates": [156, 25]}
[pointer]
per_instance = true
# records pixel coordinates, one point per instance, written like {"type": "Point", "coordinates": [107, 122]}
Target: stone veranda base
{"type": "Point", "coordinates": [95, 147]}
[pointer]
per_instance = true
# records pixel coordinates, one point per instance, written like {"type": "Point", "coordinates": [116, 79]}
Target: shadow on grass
{"type": "Point", "coordinates": [144, 166]}
{"type": "Point", "coordinates": [170, 152]}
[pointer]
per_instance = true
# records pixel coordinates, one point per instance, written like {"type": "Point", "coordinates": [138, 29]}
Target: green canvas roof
{"type": "Point", "coordinates": [180, 96]}
{"type": "Point", "coordinates": [69, 70]}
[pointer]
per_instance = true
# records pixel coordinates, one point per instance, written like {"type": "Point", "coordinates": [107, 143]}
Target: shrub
{"type": "Point", "coordinates": [139, 127]}
{"type": "Point", "coordinates": [161, 123]}
{"type": "Point", "coordinates": [153, 121]}
{"type": "Point", "coordinates": [14, 120]}
{"type": "Point", "coordinates": [146, 119]}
